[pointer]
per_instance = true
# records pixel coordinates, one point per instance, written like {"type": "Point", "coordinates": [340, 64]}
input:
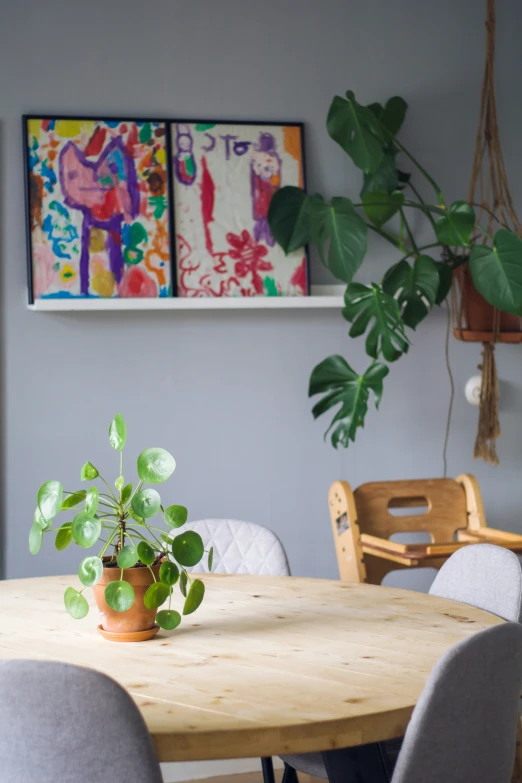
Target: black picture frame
{"type": "Point", "coordinates": [168, 122]}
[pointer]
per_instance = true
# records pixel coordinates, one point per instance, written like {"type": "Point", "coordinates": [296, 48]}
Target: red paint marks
{"type": "Point", "coordinates": [250, 258]}
{"type": "Point", "coordinates": [299, 277]}
{"type": "Point", "coordinates": [95, 145]}
{"type": "Point", "coordinates": [132, 139]}
{"type": "Point", "coordinates": [208, 190]}
{"type": "Point", "coordinates": [137, 283]}
{"type": "Point", "coordinates": [123, 128]}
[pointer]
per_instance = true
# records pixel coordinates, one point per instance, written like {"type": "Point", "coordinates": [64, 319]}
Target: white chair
{"type": "Point", "coordinates": [64, 724]}
{"type": "Point", "coordinates": [241, 548]}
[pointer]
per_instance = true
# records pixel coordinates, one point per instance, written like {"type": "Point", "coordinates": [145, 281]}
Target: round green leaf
{"type": "Point", "coordinates": [127, 556]}
{"type": "Point", "coordinates": [456, 227]}
{"type": "Point", "coordinates": [35, 538]}
{"type": "Point", "coordinates": [126, 493]}
{"type": "Point", "coordinates": [210, 558]}
{"type": "Point", "coordinates": [169, 573]}
{"type": "Point", "coordinates": [86, 529]}
{"type": "Point", "coordinates": [497, 272]}
{"type": "Point", "coordinates": [183, 579]}
{"type": "Point", "coordinates": [39, 520]}
{"type": "Point", "coordinates": [73, 499]}
{"type": "Point", "coordinates": [64, 536]}
{"type": "Point", "coordinates": [91, 501]}
{"type": "Point", "coordinates": [136, 518]}
{"type": "Point", "coordinates": [188, 548]}
{"type": "Point", "coordinates": [194, 597]}
{"type": "Point", "coordinates": [146, 553]}
{"type": "Point", "coordinates": [155, 465]}
{"type": "Point", "coordinates": [118, 432]}
{"type": "Point", "coordinates": [90, 571]}
{"type": "Point", "coordinates": [89, 472]}
{"type": "Point", "coordinates": [120, 481]}
{"type": "Point", "coordinates": [119, 595]}
{"type": "Point", "coordinates": [168, 619]}
{"type": "Point", "coordinates": [175, 516]}
{"type": "Point", "coordinates": [156, 595]}
{"type": "Point", "coordinates": [146, 503]}
{"type": "Point", "coordinates": [50, 497]}
{"type": "Point", "coordinates": [75, 603]}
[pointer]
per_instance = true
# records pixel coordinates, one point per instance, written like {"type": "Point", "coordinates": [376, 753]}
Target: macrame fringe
{"type": "Point", "coordinates": [488, 423]}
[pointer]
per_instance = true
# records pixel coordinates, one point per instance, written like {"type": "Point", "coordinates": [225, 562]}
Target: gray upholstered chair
{"type": "Point", "coordinates": [482, 575]}
{"type": "Point", "coordinates": [65, 724]}
{"type": "Point", "coordinates": [241, 548]}
{"type": "Point", "coordinates": [463, 729]}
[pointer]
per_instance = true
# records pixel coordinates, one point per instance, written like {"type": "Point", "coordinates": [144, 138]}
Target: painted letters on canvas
{"type": "Point", "coordinates": [224, 178]}
{"type": "Point", "coordinates": [98, 208]}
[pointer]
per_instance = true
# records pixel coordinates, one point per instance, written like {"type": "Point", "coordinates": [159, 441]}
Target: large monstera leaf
{"type": "Point", "coordinates": [391, 116]}
{"type": "Point", "coordinates": [497, 271]}
{"type": "Point", "coordinates": [370, 308]}
{"type": "Point", "coordinates": [456, 226]}
{"type": "Point", "coordinates": [385, 177]}
{"type": "Point", "coordinates": [356, 129]}
{"type": "Point", "coordinates": [414, 287]}
{"type": "Point", "coordinates": [339, 383]}
{"type": "Point", "coordinates": [289, 217]}
{"type": "Point", "coordinates": [340, 235]}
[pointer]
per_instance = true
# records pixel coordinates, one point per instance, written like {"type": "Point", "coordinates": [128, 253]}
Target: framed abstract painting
{"type": "Point", "coordinates": [98, 207]}
{"type": "Point", "coordinates": [224, 175]}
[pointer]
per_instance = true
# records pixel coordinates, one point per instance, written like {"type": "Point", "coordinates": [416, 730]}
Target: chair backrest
{"type": "Point", "coordinates": [241, 548]}
{"type": "Point", "coordinates": [463, 729]}
{"type": "Point", "coordinates": [64, 724]}
{"type": "Point", "coordinates": [443, 499]}
{"type": "Point", "coordinates": [485, 576]}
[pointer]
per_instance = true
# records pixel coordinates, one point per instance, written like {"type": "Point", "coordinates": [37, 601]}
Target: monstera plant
{"type": "Point", "coordinates": [422, 275]}
{"type": "Point", "coordinates": [138, 563]}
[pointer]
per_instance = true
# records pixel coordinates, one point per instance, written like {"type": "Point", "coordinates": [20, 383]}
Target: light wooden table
{"type": "Point", "coordinates": [266, 666]}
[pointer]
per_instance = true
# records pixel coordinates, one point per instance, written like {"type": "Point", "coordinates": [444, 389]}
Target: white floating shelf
{"type": "Point", "coordinates": [322, 297]}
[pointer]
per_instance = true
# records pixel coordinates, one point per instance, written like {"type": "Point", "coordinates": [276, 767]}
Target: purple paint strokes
{"type": "Point", "coordinates": [106, 192]}
{"type": "Point", "coordinates": [265, 180]}
{"type": "Point", "coordinates": [184, 160]}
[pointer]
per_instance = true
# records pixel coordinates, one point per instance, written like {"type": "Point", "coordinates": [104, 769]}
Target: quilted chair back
{"type": "Point", "coordinates": [241, 548]}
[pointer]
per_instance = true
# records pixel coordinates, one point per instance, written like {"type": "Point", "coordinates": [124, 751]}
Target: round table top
{"type": "Point", "coordinates": [266, 666]}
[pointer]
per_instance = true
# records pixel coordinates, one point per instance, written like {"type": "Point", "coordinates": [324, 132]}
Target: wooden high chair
{"type": "Point", "coordinates": [362, 525]}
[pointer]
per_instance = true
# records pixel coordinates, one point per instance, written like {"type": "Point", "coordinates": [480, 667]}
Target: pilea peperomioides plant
{"type": "Point", "coordinates": [120, 522]}
{"type": "Point", "coordinates": [422, 275]}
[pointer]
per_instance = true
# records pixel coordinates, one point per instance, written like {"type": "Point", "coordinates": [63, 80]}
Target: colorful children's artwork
{"type": "Point", "coordinates": [98, 208]}
{"type": "Point", "coordinates": [224, 176]}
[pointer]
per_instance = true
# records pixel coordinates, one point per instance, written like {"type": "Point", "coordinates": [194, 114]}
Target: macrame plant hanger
{"type": "Point", "coordinates": [475, 320]}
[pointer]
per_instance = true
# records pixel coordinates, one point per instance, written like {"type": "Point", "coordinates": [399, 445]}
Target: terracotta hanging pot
{"type": "Point", "coordinates": [137, 623]}
{"type": "Point", "coordinates": [478, 316]}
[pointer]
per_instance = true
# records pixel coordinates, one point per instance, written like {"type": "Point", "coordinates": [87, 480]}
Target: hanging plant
{"type": "Point", "coordinates": [420, 279]}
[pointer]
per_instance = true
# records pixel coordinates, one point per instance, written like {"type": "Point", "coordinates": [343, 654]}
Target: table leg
{"type": "Point", "coordinates": [268, 770]}
{"type": "Point", "coordinates": [290, 775]}
{"type": "Point", "coordinates": [363, 764]}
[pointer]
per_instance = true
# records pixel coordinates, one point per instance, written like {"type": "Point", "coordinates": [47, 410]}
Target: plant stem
{"type": "Point", "coordinates": [137, 489]}
{"type": "Point", "coordinates": [423, 171]}
{"type": "Point", "coordinates": [420, 249]}
{"type": "Point", "coordinates": [483, 230]}
{"type": "Point", "coordinates": [111, 493]}
{"type": "Point", "coordinates": [409, 232]}
{"type": "Point", "coordinates": [385, 234]}
{"type": "Point", "coordinates": [428, 213]}
{"type": "Point", "coordinates": [108, 543]}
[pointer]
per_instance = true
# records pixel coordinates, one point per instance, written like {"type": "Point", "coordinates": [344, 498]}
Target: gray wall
{"type": "Point", "coordinates": [226, 392]}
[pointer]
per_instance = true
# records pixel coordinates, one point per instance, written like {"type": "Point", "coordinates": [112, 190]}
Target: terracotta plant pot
{"type": "Point", "coordinates": [138, 621]}
{"type": "Point", "coordinates": [478, 315]}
